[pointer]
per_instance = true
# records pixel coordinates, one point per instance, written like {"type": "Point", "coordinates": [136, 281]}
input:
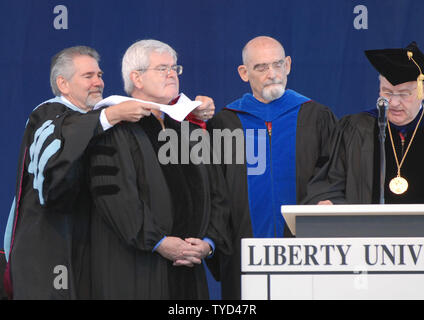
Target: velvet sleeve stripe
{"type": "Point", "coordinates": [103, 171]}
{"type": "Point", "coordinates": [40, 158]}
{"type": "Point", "coordinates": [102, 150]}
{"type": "Point", "coordinates": [105, 190]}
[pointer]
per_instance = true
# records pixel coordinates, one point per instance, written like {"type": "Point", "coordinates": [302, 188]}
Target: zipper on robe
{"type": "Point", "coordinates": [269, 129]}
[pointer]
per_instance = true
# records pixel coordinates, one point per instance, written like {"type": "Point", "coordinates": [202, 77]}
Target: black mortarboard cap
{"type": "Point", "coordinates": [399, 65]}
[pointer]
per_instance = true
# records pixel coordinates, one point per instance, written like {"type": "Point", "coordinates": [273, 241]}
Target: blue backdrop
{"type": "Point", "coordinates": [325, 39]}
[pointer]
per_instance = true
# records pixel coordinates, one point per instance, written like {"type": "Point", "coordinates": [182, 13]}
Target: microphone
{"type": "Point", "coordinates": [382, 106]}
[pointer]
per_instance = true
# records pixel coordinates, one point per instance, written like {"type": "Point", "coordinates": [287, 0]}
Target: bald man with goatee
{"type": "Point", "coordinates": [290, 132]}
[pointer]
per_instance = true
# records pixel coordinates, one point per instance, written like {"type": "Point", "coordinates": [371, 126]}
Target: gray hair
{"type": "Point", "coordinates": [62, 64]}
{"type": "Point", "coordinates": [137, 57]}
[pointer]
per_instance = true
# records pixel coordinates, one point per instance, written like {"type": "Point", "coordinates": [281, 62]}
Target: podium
{"type": "Point", "coordinates": [390, 220]}
{"type": "Point", "coordinates": [340, 252]}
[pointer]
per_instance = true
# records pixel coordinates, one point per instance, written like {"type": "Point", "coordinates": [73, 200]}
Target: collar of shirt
{"type": "Point", "coordinates": [70, 105]}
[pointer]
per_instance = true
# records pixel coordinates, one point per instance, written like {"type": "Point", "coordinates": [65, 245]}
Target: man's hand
{"type": "Point", "coordinates": [130, 111]}
{"type": "Point", "coordinates": [197, 251]}
{"type": "Point", "coordinates": [325, 202]}
{"type": "Point", "coordinates": [206, 110]}
{"type": "Point", "coordinates": [172, 248]}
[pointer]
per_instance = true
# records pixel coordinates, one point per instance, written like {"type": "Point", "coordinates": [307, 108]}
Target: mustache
{"type": "Point", "coordinates": [98, 90]}
{"type": "Point", "coordinates": [271, 82]}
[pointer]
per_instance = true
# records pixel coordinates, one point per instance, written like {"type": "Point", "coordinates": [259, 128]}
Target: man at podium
{"type": "Point", "coordinates": [352, 175]}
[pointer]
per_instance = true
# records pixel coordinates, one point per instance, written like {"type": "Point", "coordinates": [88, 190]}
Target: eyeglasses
{"type": "Point", "coordinates": [165, 70]}
{"type": "Point", "coordinates": [401, 95]}
{"type": "Point", "coordinates": [263, 67]}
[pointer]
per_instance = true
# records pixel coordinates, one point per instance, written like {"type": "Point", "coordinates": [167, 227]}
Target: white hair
{"type": "Point", "coordinates": [137, 57]}
{"type": "Point", "coordinates": [63, 64]}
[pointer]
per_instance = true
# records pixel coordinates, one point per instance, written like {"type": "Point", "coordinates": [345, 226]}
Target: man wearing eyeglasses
{"type": "Point", "coordinates": [294, 131]}
{"type": "Point", "coordinates": [353, 174]}
{"type": "Point", "coordinates": [153, 223]}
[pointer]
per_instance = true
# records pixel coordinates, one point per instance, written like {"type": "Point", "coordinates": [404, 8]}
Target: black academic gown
{"type": "Point", "coordinates": [138, 201]}
{"type": "Point", "coordinates": [314, 126]}
{"type": "Point", "coordinates": [353, 173]}
{"type": "Point", "coordinates": [49, 257]}
{"type": "Point", "coordinates": [3, 295]}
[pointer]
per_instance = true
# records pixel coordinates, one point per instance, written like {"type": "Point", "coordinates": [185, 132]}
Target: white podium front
{"type": "Point", "coordinates": [333, 268]}
{"type": "Point", "coordinates": [365, 220]}
{"type": "Point", "coordinates": [341, 252]}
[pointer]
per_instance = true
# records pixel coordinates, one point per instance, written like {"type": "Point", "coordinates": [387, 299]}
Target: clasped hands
{"type": "Point", "coordinates": [186, 252]}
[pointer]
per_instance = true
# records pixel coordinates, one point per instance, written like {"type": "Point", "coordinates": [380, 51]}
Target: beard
{"type": "Point", "coordinates": [94, 97]}
{"type": "Point", "coordinates": [273, 90]}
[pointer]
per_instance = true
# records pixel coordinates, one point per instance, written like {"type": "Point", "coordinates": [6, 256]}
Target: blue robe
{"type": "Point", "coordinates": [276, 184]}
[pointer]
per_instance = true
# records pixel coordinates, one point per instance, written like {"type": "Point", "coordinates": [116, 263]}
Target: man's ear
{"type": "Point", "coordinates": [288, 65]}
{"type": "Point", "coordinates": [62, 85]}
{"type": "Point", "coordinates": [242, 70]}
{"type": "Point", "coordinates": [136, 79]}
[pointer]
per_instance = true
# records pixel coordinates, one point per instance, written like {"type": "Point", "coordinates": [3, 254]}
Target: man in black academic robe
{"type": "Point", "coordinates": [352, 175]}
{"type": "Point", "coordinates": [47, 235]}
{"type": "Point", "coordinates": [290, 133]}
{"type": "Point", "coordinates": [153, 222]}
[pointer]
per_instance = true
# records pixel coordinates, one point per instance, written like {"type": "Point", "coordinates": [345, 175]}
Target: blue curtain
{"type": "Point", "coordinates": [325, 39]}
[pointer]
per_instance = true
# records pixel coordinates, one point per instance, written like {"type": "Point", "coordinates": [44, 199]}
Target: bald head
{"type": "Point", "coordinates": [265, 67]}
{"type": "Point", "coordinates": [258, 44]}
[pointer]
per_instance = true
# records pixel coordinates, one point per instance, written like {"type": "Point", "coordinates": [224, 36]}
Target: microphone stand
{"type": "Point", "coordinates": [382, 106]}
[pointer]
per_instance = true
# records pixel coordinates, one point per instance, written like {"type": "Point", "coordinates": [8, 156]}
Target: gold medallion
{"type": "Point", "coordinates": [398, 185]}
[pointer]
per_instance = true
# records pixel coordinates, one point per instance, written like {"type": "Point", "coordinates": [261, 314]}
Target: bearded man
{"type": "Point", "coordinates": [289, 131]}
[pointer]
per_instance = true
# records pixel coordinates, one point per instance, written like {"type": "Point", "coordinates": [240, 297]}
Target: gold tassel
{"type": "Point", "coordinates": [420, 79]}
{"type": "Point", "coordinates": [420, 92]}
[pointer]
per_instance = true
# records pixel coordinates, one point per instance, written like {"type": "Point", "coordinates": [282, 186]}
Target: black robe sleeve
{"type": "Point", "coordinates": [57, 138]}
{"type": "Point", "coordinates": [219, 224]}
{"type": "Point", "coordinates": [347, 176]}
{"type": "Point", "coordinates": [315, 126]}
{"type": "Point", "coordinates": [121, 192]}
{"type": "Point", "coordinates": [218, 228]}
